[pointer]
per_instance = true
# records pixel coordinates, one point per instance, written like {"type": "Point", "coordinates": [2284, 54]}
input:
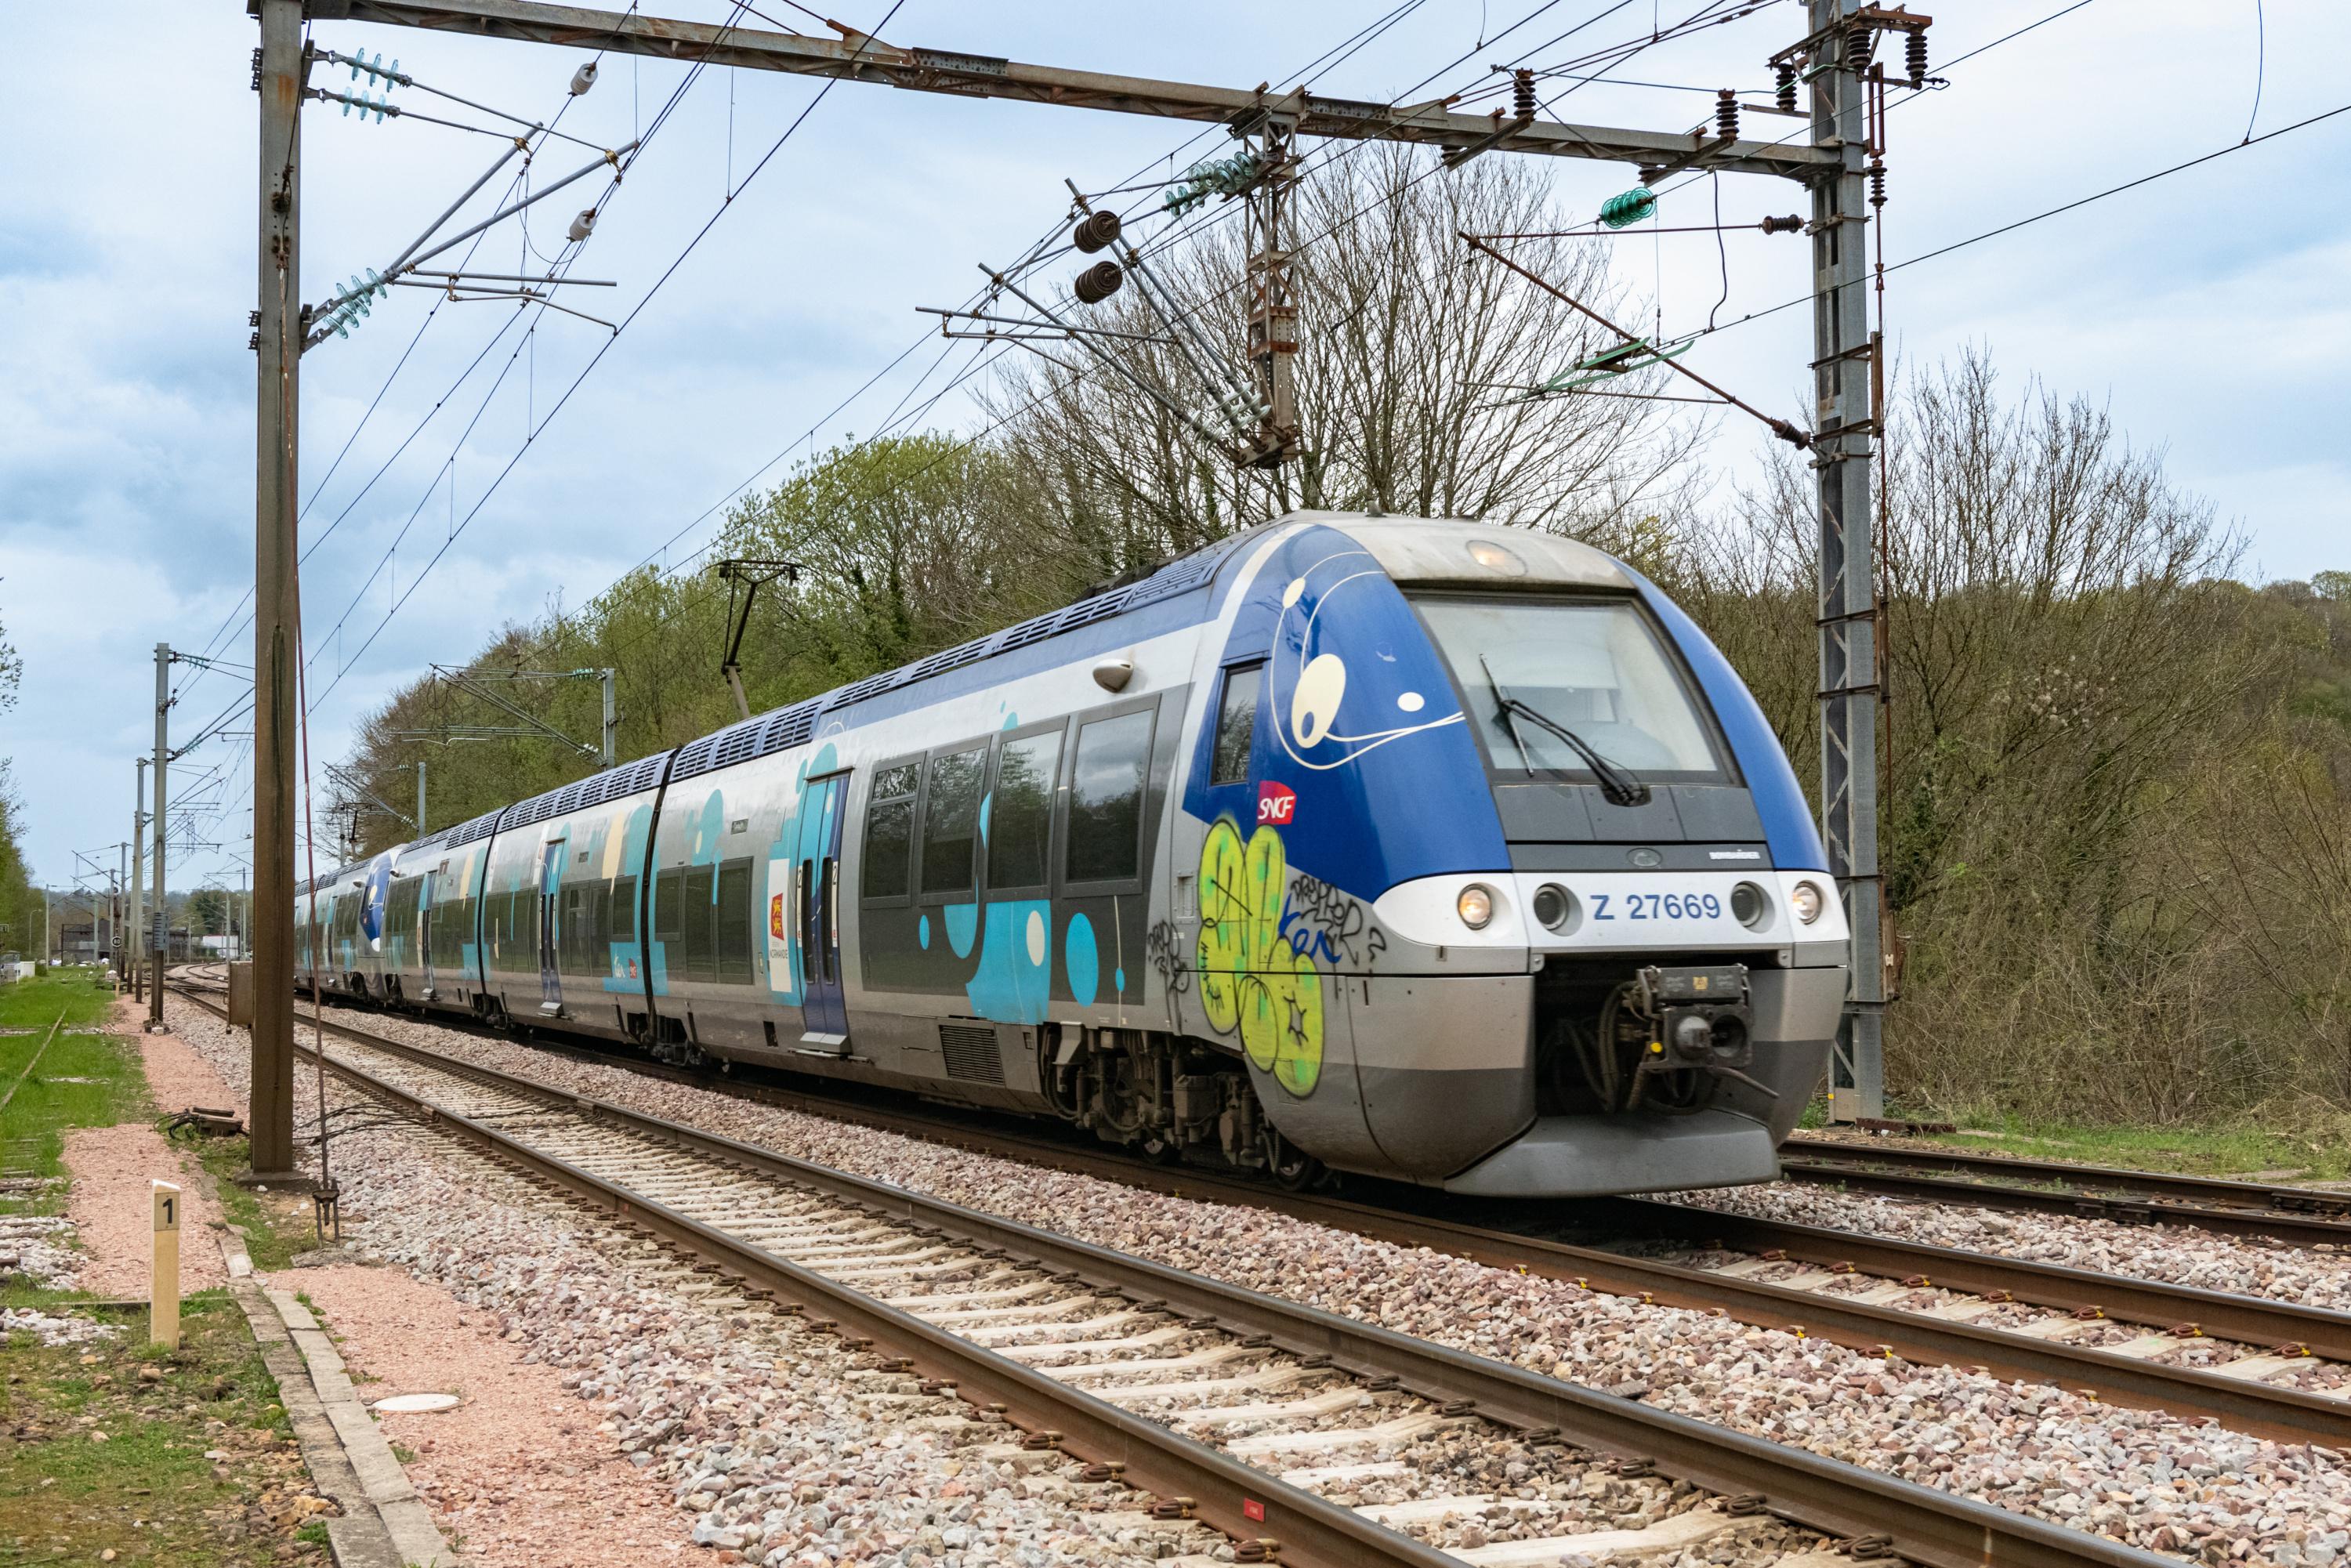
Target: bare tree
{"type": "Point", "coordinates": [1413, 364]}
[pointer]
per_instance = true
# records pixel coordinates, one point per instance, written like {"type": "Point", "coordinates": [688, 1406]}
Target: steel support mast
{"type": "Point", "coordinates": [161, 935]}
{"type": "Point", "coordinates": [1844, 442]}
{"type": "Point", "coordinates": [138, 878]}
{"type": "Point", "coordinates": [277, 619]}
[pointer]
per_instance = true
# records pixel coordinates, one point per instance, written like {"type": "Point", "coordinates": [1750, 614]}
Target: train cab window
{"type": "Point", "coordinates": [951, 820]}
{"type": "Point", "coordinates": [1021, 811]}
{"type": "Point", "coordinates": [1237, 724]}
{"type": "Point", "coordinates": [1105, 834]}
{"type": "Point", "coordinates": [890, 832]}
{"type": "Point", "coordinates": [1595, 668]}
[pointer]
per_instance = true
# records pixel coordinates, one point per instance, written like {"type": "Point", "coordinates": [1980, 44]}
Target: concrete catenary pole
{"type": "Point", "coordinates": [139, 877]}
{"type": "Point", "coordinates": [1842, 450]}
{"type": "Point", "coordinates": [162, 925]}
{"type": "Point", "coordinates": [420, 797]}
{"type": "Point", "coordinates": [277, 612]}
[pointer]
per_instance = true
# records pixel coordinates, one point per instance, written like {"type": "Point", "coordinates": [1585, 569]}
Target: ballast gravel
{"type": "Point", "coordinates": [2316, 1276]}
{"type": "Point", "coordinates": [767, 1442]}
{"type": "Point", "coordinates": [2196, 1489]}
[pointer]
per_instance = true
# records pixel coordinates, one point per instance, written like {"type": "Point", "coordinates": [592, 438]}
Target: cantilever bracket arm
{"type": "Point", "coordinates": [1778, 426]}
{"type": "Point", "coordinates": [458, 679]}
{"type": "Point", "coordinates": [856, 56]}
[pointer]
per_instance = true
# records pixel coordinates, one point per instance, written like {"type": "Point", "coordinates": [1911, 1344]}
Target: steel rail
{"type": "Point", "coordinates": [2011, 1167]}
{"type": "Point", "coordinates": [1930, 1527]}
{"type": "Point", "coordinates": [2282, 1413]}
{"type": "Point", "coordinates": [1857, 1174]}
{"type": "Point", "coordinates": [1223, 1490]}
{"type": "Point", "coordinates": [2252, 1320]}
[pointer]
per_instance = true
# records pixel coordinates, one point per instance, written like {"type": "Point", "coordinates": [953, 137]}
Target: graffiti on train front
{"type": "Point", "coordinates": [1330, 924]}
{"type": "Point", "coordinates": [1252, 979]}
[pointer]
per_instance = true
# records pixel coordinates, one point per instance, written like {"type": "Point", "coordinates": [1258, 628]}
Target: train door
{"type": "Point", "coordinates": [425, 930]}
{"type": "Point", "coordinates": [823, 1008]}
{"type": "Point", "coordinates": [550, 880]}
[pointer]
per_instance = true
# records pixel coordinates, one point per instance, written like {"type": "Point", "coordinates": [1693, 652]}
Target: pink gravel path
{"type": "Point", "coordinates": [178, 1078]}
{"type": "Point", "coordinates": [110, 1205]}
{"type": "Point", "coordinates": [518, 1471]}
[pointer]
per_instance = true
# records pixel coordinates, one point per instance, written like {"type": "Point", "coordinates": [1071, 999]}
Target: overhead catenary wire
{"type": "Point", "coordinates": [224, 632]}
{"type": "Point", "coordinates": [565, 258]}
{"type": "Point", "coordinates": [1991, 43]}
{"type": "Point", "coordinates": [1346, 47]}
{"type": "Point", "coordinates": [821, 94]}
{"type": "Point", "coordinates": [2074, 206]}
{"type": "Point", "coordinates": [1181, 231]}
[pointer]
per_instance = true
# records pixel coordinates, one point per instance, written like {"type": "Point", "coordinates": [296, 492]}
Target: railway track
{"type": "Point", "coordinates": [2302, 1216]}
{"type": "Point", "coordinates": [2141, 1344]}
{"type": "Point", "coordinates": [1250, 1413]}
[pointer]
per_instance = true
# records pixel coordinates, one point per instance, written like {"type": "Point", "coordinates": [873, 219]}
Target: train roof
{"type": "Point", "coordinates": [1421, 551]}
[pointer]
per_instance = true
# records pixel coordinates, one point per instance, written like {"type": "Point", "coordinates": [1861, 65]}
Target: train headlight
{"type": "Point", "coordinates": [1555, 907]}
{"type": "Point", "coordinates": [1807, 900]}
{"type": "Point", "coordinates": [1751, 906]}
{"type": "Point", "coordinates": [1476, 907]}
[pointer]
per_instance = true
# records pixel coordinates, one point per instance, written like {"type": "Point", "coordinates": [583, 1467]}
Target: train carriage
{"type": "Point", "coordinates": [1444, 851]}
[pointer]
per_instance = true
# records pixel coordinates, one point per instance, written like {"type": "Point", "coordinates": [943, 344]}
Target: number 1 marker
{"type": "Point", "coordinates": [164, 1300]}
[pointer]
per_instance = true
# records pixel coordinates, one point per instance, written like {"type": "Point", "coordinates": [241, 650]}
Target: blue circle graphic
{"type": "Point", "coordinates": [923, 931]}
{"type": "Point", "coordinates": [1083, 962]}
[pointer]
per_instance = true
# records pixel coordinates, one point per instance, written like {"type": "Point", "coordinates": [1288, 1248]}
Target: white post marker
{"type": "Point", "coordinates": [163, 1302]}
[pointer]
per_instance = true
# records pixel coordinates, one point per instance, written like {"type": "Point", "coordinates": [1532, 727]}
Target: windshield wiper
{"type": "Point", "coordinates": [1617, 787]}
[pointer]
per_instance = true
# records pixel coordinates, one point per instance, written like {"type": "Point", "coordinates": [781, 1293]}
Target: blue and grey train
{"type": "Point", "coordinates": [1441, 852]}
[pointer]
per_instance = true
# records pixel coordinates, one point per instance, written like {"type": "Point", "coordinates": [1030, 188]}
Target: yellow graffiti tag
{"type": "Point", "coordinates": [1250, 978]}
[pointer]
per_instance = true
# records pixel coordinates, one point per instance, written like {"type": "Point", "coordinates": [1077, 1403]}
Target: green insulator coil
{"type": "Point", "coordinates": [1633, 206]}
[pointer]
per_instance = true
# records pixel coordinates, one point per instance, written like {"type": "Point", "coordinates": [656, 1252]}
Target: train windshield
{"type": "Point", "coordinates": [1596, 669]}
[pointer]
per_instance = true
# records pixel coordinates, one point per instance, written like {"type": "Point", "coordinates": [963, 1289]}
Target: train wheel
{"type": "Point", "coordinates": [1291, 1167]}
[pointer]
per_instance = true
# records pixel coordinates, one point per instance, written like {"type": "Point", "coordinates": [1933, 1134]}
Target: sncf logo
{"type": "Point", "coordinates": [1276, 803]}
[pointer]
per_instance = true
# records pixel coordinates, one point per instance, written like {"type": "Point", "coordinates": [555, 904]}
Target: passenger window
{"type": "Point", "coordinates": [1106, 798]}
{"type": "Point", "coordinates": [734, 923]}
{"type": "Point", "coordinates": [1237, 724]}
{"type": "Point", "coordinates": [701, 951]}
{"type": "Point", "coordinates": [669, 888]}
{"type": "Point", "coordinates": [889, 833]}
{"type": "Point", "coordinates": [624, 910]}
{"type": "Point", "coordinates": [1021, 811]}
{"type": "Point", "coordinates": [951, 820]}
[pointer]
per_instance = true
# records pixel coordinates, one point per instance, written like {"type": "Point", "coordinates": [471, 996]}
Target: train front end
{"type": "Point", "coordinates": [1567, 921]}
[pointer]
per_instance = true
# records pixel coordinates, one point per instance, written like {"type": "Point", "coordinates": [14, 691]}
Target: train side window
{"type": "Point", "coordinates": [1105, 833]}
{"type": "Point", "coordinates": [624, 910]}
{"type": "Point", "coordinates": [668, 899]}
{"type": "Point", "coordinates": [1021, 811]}
{"type": "Point", "coordinates": [734, 923]}
{"type": "Point", "coordinates": [1237, 724]}
{"type": "Point", "coordinates": [890, 832]}
{"type": "Point", "coordinates": [701, 952]}
{"type": "Point", "coordinates": [951, 821]}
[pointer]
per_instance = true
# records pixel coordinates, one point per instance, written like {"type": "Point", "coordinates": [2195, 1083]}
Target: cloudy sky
{"type": "Point", "coordinates": [2207, 309]}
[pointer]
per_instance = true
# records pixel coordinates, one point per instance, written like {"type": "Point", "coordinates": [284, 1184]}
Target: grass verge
{"type": "Point", "coordinates": [277, 1226]}
{"type": "Point", "coordinates": [31, 1004]}
{"type": "Point", "coordinates": [181, 1458]}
